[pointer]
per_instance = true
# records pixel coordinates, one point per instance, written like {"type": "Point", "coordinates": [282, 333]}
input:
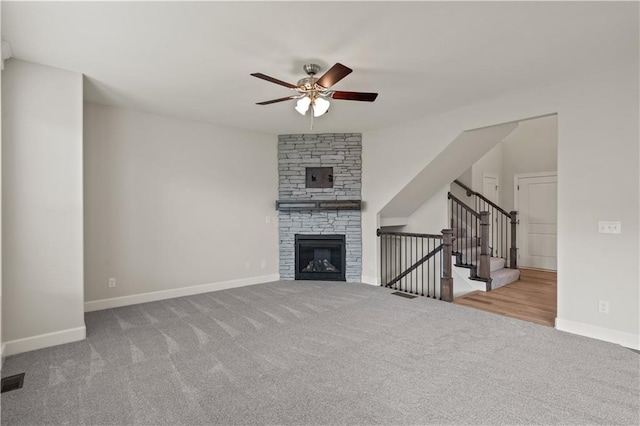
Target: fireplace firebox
{"type": "Point", "coordinates": [320, 257]}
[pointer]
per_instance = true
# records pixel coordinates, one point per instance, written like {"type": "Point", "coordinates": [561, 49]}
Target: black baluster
{"type": "Point", "coordinates": [422, 268]}
{"type": "Point", "coordinates": [466, 240]}
{"type": "Point", "coordinates": [411, 284]}
{"type": "Point", "coordinates": [429, 270]}
{"type": "Point", "coordinates": [460, 243]}
{"type": "Point", "coordinates": [405, 265]}
{"type": "Point", "coordinates": [397, 284]}
{"type": "Point", "coordinates": [383, 257]}
{"type": "Point", "coordinates": [474, 249]}
{"type": "Point", "coordinates": [503, 254]}
{"type": "Point", "coordinates": [433, 270]}
{"type": "Point", "coordinates": [493, 225]}
{"type": "Point", "coordinates": [383, 263]}
{"type": "Point", "coordinates": [507, 222]}
{"type": "Point", "coordinates": [387, 260]}
{"type": "Point", "coordinates": [477, 253]}
{"type": "Point", "coordinates": [398, 253]}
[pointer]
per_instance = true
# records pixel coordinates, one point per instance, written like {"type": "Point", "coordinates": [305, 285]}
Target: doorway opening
{"type": "Point", "coordinates": [520, 174]}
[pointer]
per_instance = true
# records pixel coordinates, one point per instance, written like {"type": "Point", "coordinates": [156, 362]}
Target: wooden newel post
{"type": "Point", "coordinates": [484, 269]}
{"type": "Point", "coordinates": [513, 251]}
{"type": "Point", "coordinates": [446, 279]}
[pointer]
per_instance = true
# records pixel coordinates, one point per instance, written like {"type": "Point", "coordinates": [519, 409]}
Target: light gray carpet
{"type": "Point", "coordinates": [302, 352]}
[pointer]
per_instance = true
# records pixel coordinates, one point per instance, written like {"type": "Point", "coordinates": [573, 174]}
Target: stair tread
{"type": "Point", "coordinates": [504, 276]}
{"type": "Point", "coordinates": [505, 272]}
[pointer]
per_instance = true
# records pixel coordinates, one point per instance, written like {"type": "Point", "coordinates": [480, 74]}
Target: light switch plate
{"type": "Point", "coordinates": [609, 227]}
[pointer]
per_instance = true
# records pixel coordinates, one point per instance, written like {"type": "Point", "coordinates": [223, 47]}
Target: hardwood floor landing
{"type": "Point", "coordinates": [532, 298]}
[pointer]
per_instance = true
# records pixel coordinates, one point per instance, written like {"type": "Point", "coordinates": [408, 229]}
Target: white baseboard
{"type": "Point", "coordinates": [2, 355]}
{"type": "Point", "coordinates": [116, 302]}
{"type": "Point", "coordinates": [370, 280]}
{"type": "Point", "coordinates": [627, 340]}
{"type": "Point", "coordinates": [40, 341]}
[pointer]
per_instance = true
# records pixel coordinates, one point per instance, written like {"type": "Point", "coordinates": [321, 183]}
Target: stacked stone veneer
{"type": "Point", "coordinates": [343, 152]}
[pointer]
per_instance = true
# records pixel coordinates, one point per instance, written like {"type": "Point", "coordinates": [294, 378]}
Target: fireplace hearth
{"type": "Point", "coordinates": [320, 257]}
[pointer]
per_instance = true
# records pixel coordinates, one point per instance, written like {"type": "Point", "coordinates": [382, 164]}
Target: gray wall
{"type": "Point", "coordinates": [597, 152]}
{"type": "Point", "coordinates": [341, 151]}
{"type": "Point", "coordinates": [172, 204]}
{"type": "Point", "coordinates": [42, 220]}
{"type": "Point", "coordinates": [531, 148]}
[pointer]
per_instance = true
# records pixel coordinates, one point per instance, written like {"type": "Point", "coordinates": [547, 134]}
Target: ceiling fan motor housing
{"type": "Point", "coordinates": [311, 69]}
{"type": "Point", "coordinates": [307, 82]}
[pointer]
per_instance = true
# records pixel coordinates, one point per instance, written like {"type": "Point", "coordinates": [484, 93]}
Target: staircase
{"type": "Point", "coordinates": [484, 239]}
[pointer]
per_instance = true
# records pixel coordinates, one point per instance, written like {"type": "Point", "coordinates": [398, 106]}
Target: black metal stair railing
{"type": "Point", "coordinates": [417, 263]}
{"type": "Point", "coordinates": [466, 226]}
{"type": "Point", "coordinates": [502, 225]}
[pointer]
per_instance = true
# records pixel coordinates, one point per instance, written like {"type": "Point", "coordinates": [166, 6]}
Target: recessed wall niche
{"type": "Point", "coordinates": [319, 177]}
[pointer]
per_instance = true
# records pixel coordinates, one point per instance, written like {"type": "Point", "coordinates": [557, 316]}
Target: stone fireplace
{"type": "Point", "coordinates": [320, 183]}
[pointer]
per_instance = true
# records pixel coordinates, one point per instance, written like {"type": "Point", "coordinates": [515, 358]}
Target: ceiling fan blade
{"type": "Point", "coordinates": [355, 96]}
{"type": "Point", "coordinates": [273, 101]}
{"type": "Point", "coordinates": [334, 75]}
{"type": "Point", "coordinates": [274, 80]}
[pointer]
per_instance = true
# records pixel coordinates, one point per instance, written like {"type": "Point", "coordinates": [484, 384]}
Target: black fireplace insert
{"type": "Point", "coordinates": [320, 257]}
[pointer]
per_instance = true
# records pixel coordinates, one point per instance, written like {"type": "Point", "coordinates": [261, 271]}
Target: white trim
{"type": "Point", "coordinates": [393, 221]}
{"type": "Point", "coordinates": [40, 341]}
{"type": "Point", "coordinates": [537, 174]}
{"type": "Point", "coordinates": [628, 340]}
{"type": "Point", "coordinates": [514, 121]}
{"type": "Point", "coordinates": [527, 175]}
{"type": "Point", "coordinates": [498, 187]}
{"type": "Point", "coordinates": [2, 348]}
{"type": "Point", "coordinates": [490, 175]}
{"type": "Point", "coordinates": [366, 279]}
{"type": "Point", "coordinates": [516, 204]}
{"type": "Point", "coordinates": [115, 302]}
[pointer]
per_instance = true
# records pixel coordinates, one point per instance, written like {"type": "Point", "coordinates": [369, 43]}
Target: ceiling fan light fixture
{"type": "Point", "coordinates": [303, 105]}
{"type": "Point", "coordinates": [313, 92]}
{"type": "Point", "coordinates": [320, 106]}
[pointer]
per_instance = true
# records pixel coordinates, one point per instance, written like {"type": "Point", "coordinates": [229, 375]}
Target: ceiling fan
{"type": "Point", "coordinates": [314, 93]}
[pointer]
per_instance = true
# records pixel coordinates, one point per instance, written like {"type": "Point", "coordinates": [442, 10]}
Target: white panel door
{"type": "Point", "coordinates": [490, 187]}
{"type": "Point", "coordinates": [537, 201]}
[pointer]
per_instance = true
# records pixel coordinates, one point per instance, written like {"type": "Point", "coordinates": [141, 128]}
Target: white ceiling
{"type": "Point", "coordinates": [193, 60]}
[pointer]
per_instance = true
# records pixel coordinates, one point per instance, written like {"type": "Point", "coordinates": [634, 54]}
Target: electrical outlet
{"type": "Point", "coordinates": [247, 265]}
{"type": "Point", "coordinates": [112, 282]}
{"type": "Point", "coordinates": [609, 227]}
{"type": "Point", "coordinates": [603, 307]}
{"type": "Point", "coordinates": [267, 219]}
{"type": "Point", "coordinates": [263, 264]}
